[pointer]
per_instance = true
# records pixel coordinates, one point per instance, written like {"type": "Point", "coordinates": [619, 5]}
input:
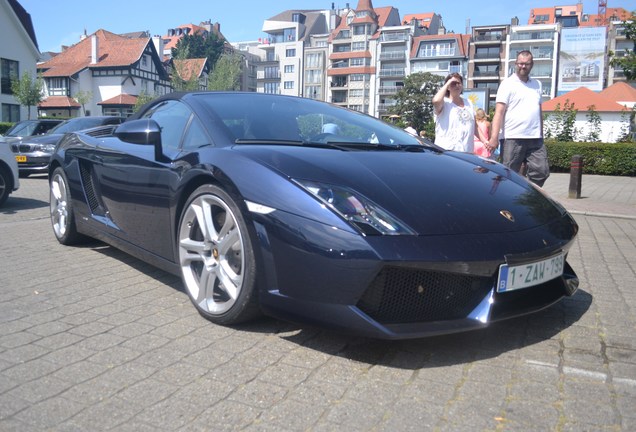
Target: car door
{"type": "Point", "coordinates": [137, 189]}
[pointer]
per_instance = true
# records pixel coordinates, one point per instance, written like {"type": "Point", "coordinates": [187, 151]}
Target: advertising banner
{"type": "Point", "coordinates": [581, 59]}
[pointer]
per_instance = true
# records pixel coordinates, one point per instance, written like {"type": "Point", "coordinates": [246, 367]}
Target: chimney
{"type": "Point", "coordinates": [94, 49]}
{"type": "Point", "coordinates": [158, 43]}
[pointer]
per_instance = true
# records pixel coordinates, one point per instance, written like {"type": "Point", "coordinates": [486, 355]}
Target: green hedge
{"type": "Point", "coordinates": [5, 127]}
{"type": "Point", "coordinates": [598, 158]}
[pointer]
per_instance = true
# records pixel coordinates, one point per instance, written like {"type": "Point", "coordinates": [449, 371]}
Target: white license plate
{"type": "Point", "coordinates": [529, 274]}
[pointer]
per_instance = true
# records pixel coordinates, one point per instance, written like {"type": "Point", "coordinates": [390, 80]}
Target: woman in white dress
{"type": "Point", "coordinates": [454, 116]}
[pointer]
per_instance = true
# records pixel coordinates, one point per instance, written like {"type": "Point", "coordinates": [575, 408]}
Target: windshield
{"type": "Point", "coordinates": [76, 124]}
{"type": "Point", "coordinates": [279, 118]}
{"type": "Point", "coordinates": [22, 129]}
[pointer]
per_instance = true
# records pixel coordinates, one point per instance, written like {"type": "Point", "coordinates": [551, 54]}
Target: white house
{"type": "Point", "coordinates": [112, 69]}
{"type": "Point", "coordinates": [615, 118]}
{"type": "Point", "coordinates": [18, 54]}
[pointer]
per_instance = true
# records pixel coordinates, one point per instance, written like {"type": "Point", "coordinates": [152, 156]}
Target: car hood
{"type": "Point", "coordinates": [43, 139]}
{"type": "Point", "coordinates": [434, 193]}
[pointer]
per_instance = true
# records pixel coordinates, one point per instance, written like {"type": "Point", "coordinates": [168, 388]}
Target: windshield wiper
{"type": "Point", "coordinates": [337, 145]}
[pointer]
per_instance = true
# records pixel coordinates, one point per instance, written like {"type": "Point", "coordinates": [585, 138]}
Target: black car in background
{"type": "Point", "coordinates": [34, 153]}
{"type": "Point", "coordinates": [28, 128]}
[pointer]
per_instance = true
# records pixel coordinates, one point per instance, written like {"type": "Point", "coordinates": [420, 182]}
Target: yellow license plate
{"type": "Point", "coordinates": [21, 158]}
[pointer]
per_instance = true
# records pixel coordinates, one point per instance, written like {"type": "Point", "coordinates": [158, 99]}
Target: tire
{"type": "Point", "coordinates": [6, 184]}
{"type": "Point", "coordinates": [216, 256]}
{"type": "Point", "coordinates": [61, 204]}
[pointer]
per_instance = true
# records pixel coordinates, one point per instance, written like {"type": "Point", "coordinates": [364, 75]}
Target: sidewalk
{"type": "Point", "coordinates": [608, 196]}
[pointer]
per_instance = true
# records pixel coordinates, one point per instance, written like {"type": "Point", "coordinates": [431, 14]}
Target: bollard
{"type": "Point", "coordinates": [576, 175]}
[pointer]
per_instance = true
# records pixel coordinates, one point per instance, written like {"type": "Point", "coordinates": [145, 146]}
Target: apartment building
{"type": "Point", "coordinates": [393, 52]}
{"type": "Point", "coordinates": [353, 54]}
{"type": "Point", "coordinates": [542, 40]}
{"type": "Point", "coordinates": [315, 74]}
{"type": "Point", "coordinates": [487, 59]}
{"type": "Point", "coordinates": [281, 69]}
{"type": "Point", "coordinates": [618, 44]}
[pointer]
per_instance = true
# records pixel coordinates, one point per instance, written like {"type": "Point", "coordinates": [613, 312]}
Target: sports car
{"type": "Point", "coordinates": [313, 213]}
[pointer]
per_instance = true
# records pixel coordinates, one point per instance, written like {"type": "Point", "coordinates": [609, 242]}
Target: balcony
{"type": "Point", "coordinates": [487, 56]}
{"type": "Point", "coordinates": [397, 55]}
{"type": "Point", "coordinates": [488, 38]}
{"type": "Point", "coordinates": [263, 76]}
{"type": "Point", "coordinates": [393, 37]}
{"type": "Point", "coordinates": [387, 90]}
{"type": "Point", "coordinates": [394, 72]}
{"type": "Point", "coordinates": [386, 106]}
{"type": "Point", "coordinates": [524, 36]}
{"type": "Point", "coordinates": [485, 74]}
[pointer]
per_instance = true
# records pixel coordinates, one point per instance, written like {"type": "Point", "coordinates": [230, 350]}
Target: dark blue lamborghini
{"type": "Point", "coordinates": [313, 213]}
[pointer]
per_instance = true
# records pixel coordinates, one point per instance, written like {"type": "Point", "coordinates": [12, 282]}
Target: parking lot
{"type": "Point", "coordinates": [93, 339]}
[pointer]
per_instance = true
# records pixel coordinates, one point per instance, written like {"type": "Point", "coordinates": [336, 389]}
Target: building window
{"type": "Point", "coordinates": [289, 35]}
{"type": "Point", "coordinates": [359, 77]}
{"type": "Point", "coordinates": [271, 87]}
{"type": "Point", "coordinates": [359, 30]}
{"type": "Point", "coordinates": [289, 85]}
{"type": "Point", "coordinates": [437, 49]}
{"type": "Point", "coordinates": [313, 61]}
{"type": "Point", "coordinates": [358, 46]}
{"type": "Point", "coordinates": [272, 72]}
{"type": "Point", "coordinates": [10, 113]}
{"type": "Point", "coordinates": [313, 76]}
{"type": "Point", "coordinates": [313, 92]}
{"type": "Point", "coordinates": [341, 48]}
{"type": "Point", "coordinates": [487, 52]}
{"type": "Point", "coordinates": [289, 68]}
{"type": "Point", "coordinates": [144, 60]}
{"type": "Point", "coordinates": [58, 86]}
{"type": "Point", "coordinates": [290, 52]}
{"type": "Point", "coordinates": [9, 71]}
{"type": "Point", "coordinates": [359, 62]}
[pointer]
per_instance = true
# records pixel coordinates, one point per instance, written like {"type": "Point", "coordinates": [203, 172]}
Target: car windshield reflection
{"type": "Point", "coordinates": [302, 121]}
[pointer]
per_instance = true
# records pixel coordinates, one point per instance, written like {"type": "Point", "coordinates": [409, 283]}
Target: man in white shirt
{"type": "Point", "coordinates": [518, 112]}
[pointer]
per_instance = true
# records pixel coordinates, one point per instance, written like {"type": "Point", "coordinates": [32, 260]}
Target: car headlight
{"type": "Point", "coordinates": [362, 213]}
{"type": "Point", "coordinates": [45, 148]}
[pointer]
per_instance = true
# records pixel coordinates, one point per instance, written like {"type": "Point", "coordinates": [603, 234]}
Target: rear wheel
{"type": "Point", "coordinates": [216, 256]}
{"type": "Point", "coordinates": [62, 217]}
{"type": "Point", "coordinates": [6, 184]}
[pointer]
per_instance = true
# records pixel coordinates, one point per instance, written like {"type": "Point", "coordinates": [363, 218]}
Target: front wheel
{"type": "Point", "coordinates": [6, 184]}
{"type": "Point", "coordinates": [62, 217]}
{"type": "Point", "coordinates": [216, 256]}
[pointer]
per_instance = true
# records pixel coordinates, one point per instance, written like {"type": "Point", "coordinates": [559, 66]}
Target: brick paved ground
{"type": "Point", "coordinates": [92, 339]}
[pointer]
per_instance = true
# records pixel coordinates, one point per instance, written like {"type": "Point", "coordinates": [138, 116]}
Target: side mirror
{"type": "Point", "coordinates": [143, 131]}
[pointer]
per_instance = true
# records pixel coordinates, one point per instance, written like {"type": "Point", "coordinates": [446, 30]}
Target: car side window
{"type": "Point", "coordinates": [196, 135]}
{"type": "Point", "coordinates": [172, 117]}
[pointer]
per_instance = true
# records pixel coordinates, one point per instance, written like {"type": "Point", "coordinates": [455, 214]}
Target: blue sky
{"type": "Point", "coordinates": [63, 22]}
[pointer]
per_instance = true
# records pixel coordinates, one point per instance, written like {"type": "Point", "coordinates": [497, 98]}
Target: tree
{"type": "Point", "coordinates": [226, 74]}
{"type": "Point", "coordinates": [627, 62]}
{"type": "Point", "coordinates": [196, 46]}
{"type": "Point", "coordinates": [594, 124]}
{"type": "Point", "coordinates": [560, 124]}
{"type": "Point", "coordinates": [27, 91]}
{"type": "Point", "coordinates": [82, 98]}
{"type": "Point", "coordinates": [142, 99]}
{"type": "Point", "coordinates": [414, 102]}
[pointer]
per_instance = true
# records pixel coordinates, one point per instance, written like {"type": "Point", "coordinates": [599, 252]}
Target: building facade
{"type": "Point", "coordinates": [19, 54]}
{"type": "Point", "coordinates": [107, 67]}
